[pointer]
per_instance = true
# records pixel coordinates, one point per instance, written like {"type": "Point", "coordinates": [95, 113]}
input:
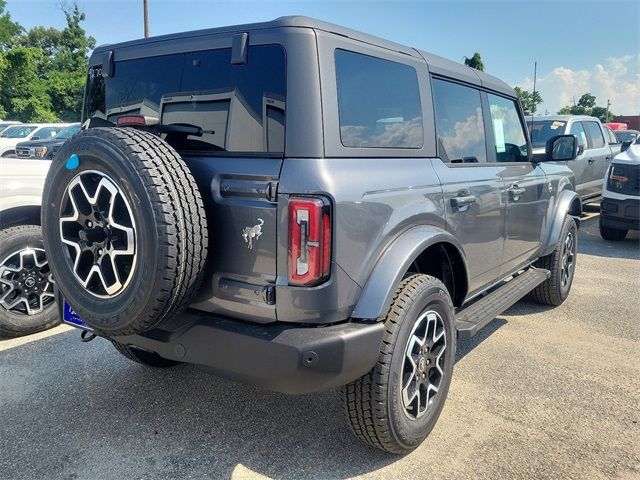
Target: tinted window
{"type": "Point", "coordinates": [578, 130]}
{"type": "Point", "coordinates": [626, 136]}
{"type": "Point", "coordinates": [241, 108]}
{"type": "Point", "coordinates": [459, 123]}
{"type": "Point", "coordinates": [542, 130]}
{"type": "Point", "coordinates": [18, 132]}
{"type": "Point", "coordinates": [378, 102]}
{"type": "Point", "coordinates": [508, 134]}
{"type": "Point", "coordinates": [47, 132]}
{"type": "Point", "coordinates": [596, 139]}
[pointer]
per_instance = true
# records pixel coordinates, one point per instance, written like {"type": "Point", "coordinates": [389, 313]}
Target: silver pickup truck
{"type": "Point", "coordinates": [302, 206]}
{"type": "Point", "coordinates": [595, 148]}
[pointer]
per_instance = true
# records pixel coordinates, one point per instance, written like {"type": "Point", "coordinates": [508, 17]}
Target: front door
{"type": "Point", "coordinates": [527, 194]}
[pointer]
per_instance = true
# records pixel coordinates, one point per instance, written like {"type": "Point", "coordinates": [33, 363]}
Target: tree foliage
{"type": "Point", "coordinates": [42, 71]}
{"type": "Point", "coordinates": [529, 100]}
{"type": "Point", "coordinates": [587, 106]}
{"type": "Point", "coordinates": [474, 62]}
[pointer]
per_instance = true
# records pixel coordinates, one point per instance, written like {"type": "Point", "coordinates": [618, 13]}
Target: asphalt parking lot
{"type": "Point", "coordinates": [539, 393]}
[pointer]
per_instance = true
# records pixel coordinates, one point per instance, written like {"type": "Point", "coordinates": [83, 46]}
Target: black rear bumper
{"type": "Point", "coordinates": [283, 358]}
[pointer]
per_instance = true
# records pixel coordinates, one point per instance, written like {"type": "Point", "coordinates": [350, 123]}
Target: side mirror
{"type": "Point", "coordinates": [625, 146]}
{"type": "Point", "coordinates": [580, 150]}
{"type": "Point", "coordinates": [562, 148]}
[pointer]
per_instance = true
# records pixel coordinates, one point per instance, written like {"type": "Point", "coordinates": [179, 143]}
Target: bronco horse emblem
{"type": "Point", "coordinates": [251, 233]}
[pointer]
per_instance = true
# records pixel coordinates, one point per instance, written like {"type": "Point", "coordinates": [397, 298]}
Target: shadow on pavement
{"type": "Point", "coordinates": [463, 347]}
{"type": "Point", "coordinates": [591, 243]}
{"type": "Point", "coordinates": [73, 410]}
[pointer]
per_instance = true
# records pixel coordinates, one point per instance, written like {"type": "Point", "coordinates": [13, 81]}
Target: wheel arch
{"type": "Point", "coordinates": [568, 203]}
{"type": "Point", "coordinates": [422, 249]}
{"type": "Point", "coordinates": [20, 215]}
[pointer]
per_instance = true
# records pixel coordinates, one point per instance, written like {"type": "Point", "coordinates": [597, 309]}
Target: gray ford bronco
{"type": "Point", "coordinates": [301, 206]}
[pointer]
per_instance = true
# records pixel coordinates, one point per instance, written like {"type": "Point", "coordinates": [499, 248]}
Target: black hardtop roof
{"type": "Point", "coordinates": [437, 64]}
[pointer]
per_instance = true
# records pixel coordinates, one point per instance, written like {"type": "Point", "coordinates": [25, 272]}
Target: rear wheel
{"type": "Point", "coordinates": [27, 303]}
{"type": "Point", "coordinates": [396, 404]}
{"type": "Point", "coordinates": [150, 359]}
{"type": "Point", "coordinates": [613, 234]}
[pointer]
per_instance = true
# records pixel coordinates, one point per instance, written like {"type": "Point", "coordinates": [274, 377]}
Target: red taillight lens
{"type": "Point", "coordinates": [131, 120]}
{"type": "Point", "coordinates": [309, 240]}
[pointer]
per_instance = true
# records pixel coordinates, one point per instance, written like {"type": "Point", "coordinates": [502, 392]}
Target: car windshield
{"type": "Point", "coordinates": [542, 130]}
{"type": "Point", "coordinates": [626, 136]}
{"type": "Point", "coordinates": [68, 132]}
{"type": "Point", "coordinates": [20, 131]}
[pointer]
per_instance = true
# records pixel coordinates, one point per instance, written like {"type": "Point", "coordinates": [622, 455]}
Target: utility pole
{"type": "Point", "coordinates": [146, 19]}
{"type": "Point", "coordinates": [606, 117]}
{"type": "Point", "coordinates": [533, 95]}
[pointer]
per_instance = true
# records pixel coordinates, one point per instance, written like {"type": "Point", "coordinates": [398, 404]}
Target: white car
{"type": "Point", "coordinates": [27, 303]}
{"type": "Point", "coordinates": [28, 131]}
{"type": "Point", "coordinates": [4, 124]}
{"type": "Point", "coordinates": [620, 208]}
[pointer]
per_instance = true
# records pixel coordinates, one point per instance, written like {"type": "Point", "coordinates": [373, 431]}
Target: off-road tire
{"type": "Point", "coordinates": [171, 228]}
{"type": "Point", "coordinates": [14, 324]}
{"type": "Point", "coordinates": [551, 291]}
{"type": "Point", "coordinates": [150, 359]}
{"type": "Point", "coordinates": [372, 404]}
{"type": "Point", "coordinates": [612, 234]}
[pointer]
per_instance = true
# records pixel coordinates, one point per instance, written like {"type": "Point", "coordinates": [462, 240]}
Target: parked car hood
{"type": "Point", "coordinates": [629, 157]}
{"type": "Point", "coordinates": [43, 142]}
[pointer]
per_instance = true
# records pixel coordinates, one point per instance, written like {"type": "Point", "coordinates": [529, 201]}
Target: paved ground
{"type": "Point", "coordinates": [542, 393]}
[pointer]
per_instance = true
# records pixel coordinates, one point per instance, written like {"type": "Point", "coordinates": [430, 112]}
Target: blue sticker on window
{"type": "Point", "coordinates": [72, 162]}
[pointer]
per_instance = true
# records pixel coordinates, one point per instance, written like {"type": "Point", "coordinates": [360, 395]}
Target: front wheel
{"type": "Point", "coordinates": [613, 234]}
{"type": "Point", "coordinates": [397, 404]}
{"type": "Point", "coordinates": [562, 264]}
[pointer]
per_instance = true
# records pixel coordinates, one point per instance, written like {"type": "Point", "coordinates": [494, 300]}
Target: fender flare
{"type": "Point", "coordinates": [380, 287]}
{"type": "Point", "coordinates": [563, 207]}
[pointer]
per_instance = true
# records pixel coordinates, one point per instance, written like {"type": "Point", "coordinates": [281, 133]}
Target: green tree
{"type": "Point", "coordinates": [587, 101]}
{"type": "Point", "coordinates": [43, 71]}
{"type": "Point", "coordinates": [602, 114]}
{"type": "Point", "coordinates": [529, 100]}
{"type": "Point", "coordinates": [9, 30]}
{"type": "Point", "coordinates": [474, 62]}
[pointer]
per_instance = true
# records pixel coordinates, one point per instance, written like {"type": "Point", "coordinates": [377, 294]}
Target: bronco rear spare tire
{"type": "Point", "coordinates": [124, 228]}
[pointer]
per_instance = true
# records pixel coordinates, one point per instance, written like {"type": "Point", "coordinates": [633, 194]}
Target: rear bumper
{"type": "Point", "coordinates": [283, 358]}
{"type": "Point", "coordinates": [620, 214]}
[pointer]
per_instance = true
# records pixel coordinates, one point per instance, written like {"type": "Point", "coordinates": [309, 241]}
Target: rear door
{"type": "Point", "coordinates": [235, 160]}
{"type": "Point", "coordinates": [474, 190]}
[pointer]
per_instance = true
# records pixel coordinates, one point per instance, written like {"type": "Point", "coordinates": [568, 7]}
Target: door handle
{"type": "Point", "coordinates": [463, 202]}
{"type": "Point", "coordinates": [607, 158]}
{"type": "Point", "coordinates": [591, 160]}
{"type": "Point", "coordinates": [516, 191]}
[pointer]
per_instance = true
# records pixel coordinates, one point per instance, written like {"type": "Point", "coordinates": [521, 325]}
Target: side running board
{"type": "Point", "coordinates": [470, 320]}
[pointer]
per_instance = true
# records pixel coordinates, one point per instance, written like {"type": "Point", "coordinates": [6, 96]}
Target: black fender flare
{"type": "Point", "coordinates": [565, 205]}
{"type": "Point", "coordinates": [389, 270]}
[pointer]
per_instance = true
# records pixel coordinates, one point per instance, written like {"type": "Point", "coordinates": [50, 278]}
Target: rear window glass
{"type": "Point", "coordinates": [378, 102]}
{"type": "Point", "coordinates": [241, 108]}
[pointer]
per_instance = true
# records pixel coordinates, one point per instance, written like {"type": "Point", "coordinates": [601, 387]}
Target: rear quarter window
{"type": "Point", "coordinates": [378, 102]}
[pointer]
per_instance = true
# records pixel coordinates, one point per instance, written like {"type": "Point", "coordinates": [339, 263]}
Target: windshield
{"type": "Point", "coordinates": [542, 130]}
{"type": "Point", "coordinates": [68, 132]}
{"type": "Point", "coordinates": [626, 136]}
{"type": "Point", "coordinates": [18, 131]}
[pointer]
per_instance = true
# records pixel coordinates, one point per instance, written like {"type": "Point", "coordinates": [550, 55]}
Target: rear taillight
{"type": "Point", "coordinates": [136, 121]}
{"type": "Point", "coordinates": [309, 240]}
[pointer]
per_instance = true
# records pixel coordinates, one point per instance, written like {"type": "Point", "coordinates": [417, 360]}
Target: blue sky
{"type": "Point", "coordinates": [580, 46]}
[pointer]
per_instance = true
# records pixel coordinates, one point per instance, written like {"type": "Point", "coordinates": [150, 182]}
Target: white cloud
{"type": "Point", "coordinates": [617, 80]}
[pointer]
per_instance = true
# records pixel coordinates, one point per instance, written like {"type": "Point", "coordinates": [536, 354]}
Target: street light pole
{"type": "Point", "coordinates": [606, 117]}
{"type": "Point", "coordinates": [146, 19]}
